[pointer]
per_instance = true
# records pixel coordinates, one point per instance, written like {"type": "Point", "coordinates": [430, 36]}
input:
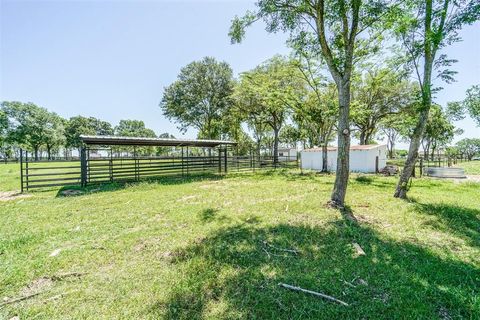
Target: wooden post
{"type": "Point", "coordinates": [376, 164]}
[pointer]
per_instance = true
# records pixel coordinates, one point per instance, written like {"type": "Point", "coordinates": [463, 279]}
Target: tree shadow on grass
{"type": "Point", "coordinates": [122, 184]}
{"type": "Point", "coordinates": [234, 273]}
{"type": "Point", "coordinates": [208, 214]}
{"type": "Point", "coordinates": [461, 221]}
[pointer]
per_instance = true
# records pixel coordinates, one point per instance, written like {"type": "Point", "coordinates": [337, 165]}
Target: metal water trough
{"type": "Point", "coordinates": [441, 172]}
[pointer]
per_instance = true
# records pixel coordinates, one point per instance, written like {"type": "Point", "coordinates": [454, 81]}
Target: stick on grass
{"type": "Point", "coordinates": [318, 294]}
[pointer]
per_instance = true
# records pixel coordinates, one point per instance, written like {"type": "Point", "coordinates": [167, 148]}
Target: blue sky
{"type": "Point", "coordinates": [112, 59]}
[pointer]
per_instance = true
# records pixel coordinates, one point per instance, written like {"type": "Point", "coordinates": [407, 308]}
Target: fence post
{"type": "Point", "coordinates": [225, 159]}
{"type": "Point", "coordinates": [188, 160]}
{"type": "Point", "coordinates": [110, 165]}
{"type": "Point", "coordinates": [219, 160]}
{"type": "Point", "coordinates": [182, 162]}
{"type": "Point", "coordinates": [137, 174]}
{"type": "Point", "coordinates": [26, 168]}
{"type": "Point", "coordinates": [21, 170]}
{"type": "Point", "coordinates": [83, 166]}
{"type": "Point", "coordinates": [236, 152]}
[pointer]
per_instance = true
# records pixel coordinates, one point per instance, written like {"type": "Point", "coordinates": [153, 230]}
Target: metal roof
{"type": "Point", "coordinates": [142, 141]}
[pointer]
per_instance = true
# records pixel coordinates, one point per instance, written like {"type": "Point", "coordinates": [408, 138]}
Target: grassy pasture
{"type": "Point", "coordinates": [214, 248]}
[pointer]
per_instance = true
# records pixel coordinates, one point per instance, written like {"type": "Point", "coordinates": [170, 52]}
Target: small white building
{"type": "Point", "coordinates": [365, 158]}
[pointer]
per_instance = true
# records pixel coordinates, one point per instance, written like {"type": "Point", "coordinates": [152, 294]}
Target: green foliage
{"type": "Point", "coordinates": [289, 135]}
{"type": "Point", "coordinates": [328, 28]}
{"type": "Point", "coordinates": [133, 128]}
{"type": "Point", "coordinates": [379, 93]}
{"type": "Point", "coordinates": [33, 127]}
{"type": "Point", "coordinates": [80, 125]}
{"type": "Point", "coordinates": [267, 95]}
{"type": "Point", "coordinates": [439, 130]}
{"type": "Point", "coordinates": [470, 105]}
{"type": "Point", "coordinates": [317, 115]}
{"type": "Point", "coordinates": [469, 147]}
{"type": "Point", "coordinates": [200, 97]}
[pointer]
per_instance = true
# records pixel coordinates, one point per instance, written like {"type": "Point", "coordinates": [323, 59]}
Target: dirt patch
{"type": "Point", "coordinates": [38, 285]}
{"type": "Point", "coordinates": [71, 192]}
{"type": "Point", "coordinates": [186, 198]}
{"type": "Point", "coordinates": [12, 195]}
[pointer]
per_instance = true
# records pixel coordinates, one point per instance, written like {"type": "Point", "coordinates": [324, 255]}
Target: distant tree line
{"type": "Point", "coordinates": [34, 128]}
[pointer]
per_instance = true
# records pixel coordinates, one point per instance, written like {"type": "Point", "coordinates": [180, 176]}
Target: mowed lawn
{"type": "Point", "coordinates": [217, 248]}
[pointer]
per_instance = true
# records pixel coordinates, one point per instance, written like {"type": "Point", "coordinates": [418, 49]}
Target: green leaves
{"type": "Point", "coordinates": [470, 105]}
{"type": "Point", "coordinates": [200, 97]}
{"type": "Point", "coordinates": [79, 125]}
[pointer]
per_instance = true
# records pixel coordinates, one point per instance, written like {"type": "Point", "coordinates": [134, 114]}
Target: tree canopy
{"type": "Point", "coordinates": [200, 97]}
{"type": "Point", "coordinates": [79, 125]}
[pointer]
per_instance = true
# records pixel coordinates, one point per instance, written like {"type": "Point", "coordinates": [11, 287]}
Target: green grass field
{"type": "Point", "coordinates": [471, 167]}
{"type": "Point", "coordinates": [216, 248]}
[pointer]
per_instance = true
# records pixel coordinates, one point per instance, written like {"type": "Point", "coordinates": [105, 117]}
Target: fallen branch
{"type": "Point", "coordinates": [20, 299]}
{"type": "Point", "coordinates": [318, 294]}
{"type": "Point", "coordinates": [280, 249]}
{"type": "Point", "coordinates": [66, 275]}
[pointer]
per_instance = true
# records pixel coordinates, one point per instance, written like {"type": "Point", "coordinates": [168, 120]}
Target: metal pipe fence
{"type": "Point", "coordinates": [106, 169]}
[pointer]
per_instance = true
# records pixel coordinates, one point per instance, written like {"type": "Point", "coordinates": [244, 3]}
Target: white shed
{"type": "Point", "coordinates": [364, 158]}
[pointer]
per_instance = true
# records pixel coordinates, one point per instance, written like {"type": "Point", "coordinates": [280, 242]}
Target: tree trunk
{"type": "Point", "coordinates": [433, 151]}
{"type": "Point", "coordinates": [275, 146]}
{"type": "Point", "coordinates": [363, 138]}
{"type": "Point", "coordinates": [324, 157]}
{"type": "Point", "coordinates": [36, 153]}
{"type": "Point", "coordinates": [341, 178]}
{"type": "Point", "coordinates": [49, 153]}
{"type": "Point", "coordinates": [402, 186]}
{"type": "Point", "coordinates": [429, 57]}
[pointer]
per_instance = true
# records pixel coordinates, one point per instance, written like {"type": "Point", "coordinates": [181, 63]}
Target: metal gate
{"type": "Point", "coordinates": [44, 173]}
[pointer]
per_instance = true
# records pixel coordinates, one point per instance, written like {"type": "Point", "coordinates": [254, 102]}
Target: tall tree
{"type": "Point", "coordinates": [31, 126]}
{"type": "Point", "coordinates": [334, 27]}
{"type": "Point", "coordinates": [134, 128]}
{"type": "Point", "coordinates": [317, 117]}
{"type": "Point", "coordinates": [438, 132]}
{"type": "Point", "coordinates": [377, 94]}
{"type": "Point", "coordinates": [289, 136]}
{"type": "Point", "coordinates": [200, 97]}
{"type": "Point", "coordinates": [318, 114]}
{"type": "Point", "coordinates": [76, 126]}
{"type": "Point", "coordinates": [425, 27]}
{"type": "Point", "coordinates": [469, 147]}
{"type": "Point", "coordinates": [268, 93]}
{"type": "Point", "coordinates": [55, 137]}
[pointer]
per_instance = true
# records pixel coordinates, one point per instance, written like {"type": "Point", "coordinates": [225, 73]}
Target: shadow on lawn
{"type": "Point", "coordinates": [234, 273]}
{"type": "Point", "coordinates": [119, 185]}
{"type": "Point", "coordinates": [464, 222]}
